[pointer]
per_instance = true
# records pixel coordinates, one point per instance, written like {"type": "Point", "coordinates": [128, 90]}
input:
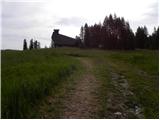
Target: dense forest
{"type": "Point", "coordinates": [116, 33]}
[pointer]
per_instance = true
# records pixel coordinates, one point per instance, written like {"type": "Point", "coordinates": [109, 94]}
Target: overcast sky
{"type": "Point", "coordinates": [37, 18]}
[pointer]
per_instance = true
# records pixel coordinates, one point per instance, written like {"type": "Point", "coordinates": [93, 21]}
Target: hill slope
{"type": "Point", "coordinates": [77, 83]}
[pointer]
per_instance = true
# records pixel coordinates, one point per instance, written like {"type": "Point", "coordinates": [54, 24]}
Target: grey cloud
{"type": "Point", "coordinates": [20, 9]}
{"type": "Point", "coordinates": [20, 23]}
{"type": "Point", "coordinates": [15, 41]}
{"type": "Point", "coordinates": [23, 1]}
{"type": "Point", "coordinates": [20, 15]}
{"type": "Point", "coordinates": [151, 17]}
{"type": "Point", "coordinates": [72, 21]}
{"type": "Point", "coordinates": [28, 18]}
{"type": "Point", "coordinates": [12, 42]}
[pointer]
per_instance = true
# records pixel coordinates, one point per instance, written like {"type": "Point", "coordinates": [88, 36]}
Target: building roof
{"type": "Point", "coordinates": [60, 39]}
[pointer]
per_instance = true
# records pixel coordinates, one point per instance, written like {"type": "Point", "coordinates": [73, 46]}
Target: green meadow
{"type": "Point", "coordinates": [28, 77]}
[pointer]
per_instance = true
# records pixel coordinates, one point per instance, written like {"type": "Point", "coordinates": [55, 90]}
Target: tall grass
{"type": "Point", "coordinates": [140, 68]}
{"type": "Point", "coordinates": [29, 76]}
{"type": "Point", "coordinates": [146, 60]}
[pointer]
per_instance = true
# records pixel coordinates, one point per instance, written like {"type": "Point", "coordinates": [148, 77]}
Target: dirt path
{"type": "Point", "coordinates": [82, 101]}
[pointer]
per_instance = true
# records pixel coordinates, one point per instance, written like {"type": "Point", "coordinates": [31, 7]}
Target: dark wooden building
{"type": "Point", "coordinates": [59, 40]}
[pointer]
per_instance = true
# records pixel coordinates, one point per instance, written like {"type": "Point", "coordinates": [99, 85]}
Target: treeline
{"type": "Point", "coordinates": [115, 33]}
{"type": "Point", "coordinates": [33, 45]}
{"type": "Point", "coordinates": [145, 41]}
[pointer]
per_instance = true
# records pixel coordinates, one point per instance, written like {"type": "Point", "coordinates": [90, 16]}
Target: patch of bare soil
{"type": "Point", "coordinates": [82, 101]}
{"type": "Point", "coordinates": [121, 103]}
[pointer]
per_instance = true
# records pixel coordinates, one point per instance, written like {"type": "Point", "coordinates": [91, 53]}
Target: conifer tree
{"type": "Point", "coordinates": [31, 44]}
{"type": "Point", "coordinates": [25, 45]}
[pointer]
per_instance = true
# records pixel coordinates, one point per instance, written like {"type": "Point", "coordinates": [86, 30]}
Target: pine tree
{"type": "Point", "coordinates": [154, 39]}
{"type": "Point", "coordinates": [35, 44]}
{"type": "Point", "coordinates": [25, 45]}
{"type": "Point", "coordinates": [82, 34]}
{"type": "Point", "coordinates": [31, 44]}
{"type": "Point", "coordinates": [38, 45]}
{"type": "Point", "coordinates": [141, 37]}
{"type": "Point", "coordinates": [86, 36]}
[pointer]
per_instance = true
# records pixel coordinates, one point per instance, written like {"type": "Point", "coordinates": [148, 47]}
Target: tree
{"type": "Point", "coordinates": [82, 34]}
{"type": "Point", "coordinates": [118, 34]}
{"type": "Point", "coordinates": [31, 44]}
{"type": "Point", "coordinates": [115, 33]}
{"type": "Point", "coordinates": [35, 44]}
{"type": "Point", "coordinates": [141, 37]}
{"type": "Point", "coordinates": [45, 47]}
{"type": "Point", "coordinates": [154, 39]}
{"type": "Point", "coordinates": [38, 45]}
{"type": "Point", "coordinates": [86, 36]}
{"type": "Point", "coordinates": [25, 45]}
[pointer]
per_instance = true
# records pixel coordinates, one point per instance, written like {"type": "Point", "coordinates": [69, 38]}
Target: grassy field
{"type": "Point", "coordinates": [140, 68]}
{"type": "Point", "coordinates": [29, 76]}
